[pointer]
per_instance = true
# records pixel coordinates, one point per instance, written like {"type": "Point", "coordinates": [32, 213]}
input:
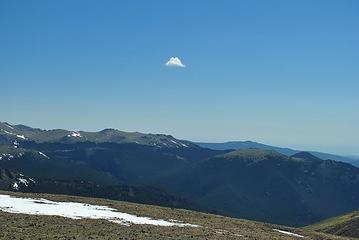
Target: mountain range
{"type": "Point", "coordinates": [237, 145]}
{"type": "Point", "coordinates": [252, 183]}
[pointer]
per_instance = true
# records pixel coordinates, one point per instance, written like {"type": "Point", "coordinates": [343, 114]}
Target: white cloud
{"type": "Point", "coordinates": [174, 62]}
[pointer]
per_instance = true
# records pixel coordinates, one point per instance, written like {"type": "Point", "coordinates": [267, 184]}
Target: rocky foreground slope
{"type": "Point", "coordinates": [344, 225]}
{"type": "Point", "coordinates": [197, 225]}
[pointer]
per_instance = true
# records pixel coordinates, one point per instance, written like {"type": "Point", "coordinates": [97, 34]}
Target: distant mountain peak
{"type": "Point", "coordinates": [253, 154]}
{"type": "Point", "coordinates": [305, 155]}
{"type": "Point", "coordinates": [109, 130]}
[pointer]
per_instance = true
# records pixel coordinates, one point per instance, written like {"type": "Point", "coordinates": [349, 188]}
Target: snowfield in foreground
{"type": "Point", "coordinates": [288, 233]}
{"type": "Point", "coordinates": [75, 210]}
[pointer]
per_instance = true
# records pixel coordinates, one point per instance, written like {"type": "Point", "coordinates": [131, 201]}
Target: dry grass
{"type": "Point", "coordinates": [20, 226]}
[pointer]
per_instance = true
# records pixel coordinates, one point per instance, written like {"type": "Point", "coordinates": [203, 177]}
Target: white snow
{"type": "Point", "coordinates": [288, 233]}
{"type": "Point", "coordinates": [6, 155]}
{"type": "Point", "coordinates": [184, 145]}
{"type": "Point", "coordinates": [44, 155]}
{"type": "Point", "coordinates": [174, 142]}
{"type": "Point", "coordinates": [179, 143]}
{"type": "Point", "coordinates": [9, 126]}
{"type": "Point", "coordinates": [15, 186]}
{"type": "Point", "coordinates": [76, 210]}
{"type": "Point", "coordinates": [32, 180]}
{"type": "Point", "coordinates": [21, 136]}
{"type": "Point", "coordinates": [23, 181]}
{"type": "Point", "coordinates": [8, 132]}
{"type": "Point", "coordinates": [74, 134]}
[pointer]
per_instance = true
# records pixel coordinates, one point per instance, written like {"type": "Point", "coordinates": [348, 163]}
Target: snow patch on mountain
{"type": "Point", "coordinates": [6, 156]}
{"type": "Point", "coordinates": [9, 126]}
{"type": "Point", "coordinates": [184, 145]}
{"type": "Point", "coordinates": [179, 144]}
{"type": "Point", "coordinates": [15, 186]}
{"type": "Point", "coordinates": [21, 136]}
{"type": "Point", "coordinates": [44, 155]}
{"type": "Point", "coordinates": [175, 142]}
{"type": "Point", "coordinates": [22, 181]}
{"type": "Point", "coordinates": [74, 134]}
{"type": "Point", "coordinates": [10, 133]}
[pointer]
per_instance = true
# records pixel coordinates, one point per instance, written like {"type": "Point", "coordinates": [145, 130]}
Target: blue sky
{"type": "Point", "coordinates": [278, 72]}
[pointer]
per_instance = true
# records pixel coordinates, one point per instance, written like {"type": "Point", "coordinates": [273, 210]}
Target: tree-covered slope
{"type": "Point", "coordinates": [268, 186]}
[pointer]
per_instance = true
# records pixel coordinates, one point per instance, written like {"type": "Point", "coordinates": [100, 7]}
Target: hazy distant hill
{"type": "Point", "coordinates": [237, 145]}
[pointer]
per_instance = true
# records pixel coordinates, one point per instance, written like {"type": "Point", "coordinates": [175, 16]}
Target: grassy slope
{"type": "Point", "coordinates": [20, 226]}
{"type": "Point", "coordinates": [345, 225]}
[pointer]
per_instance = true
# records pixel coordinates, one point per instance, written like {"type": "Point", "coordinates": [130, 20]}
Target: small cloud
{"type": "Point", "coordinates": [174, 62]}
